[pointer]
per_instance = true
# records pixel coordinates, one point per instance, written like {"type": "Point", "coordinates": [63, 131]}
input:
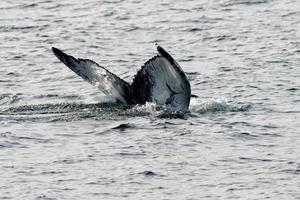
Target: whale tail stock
{"type": "Point", "coordinates": [160, 80]}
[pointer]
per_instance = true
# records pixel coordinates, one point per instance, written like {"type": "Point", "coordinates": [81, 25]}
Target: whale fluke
{"type": "Point", "coordinates": [160, 80]}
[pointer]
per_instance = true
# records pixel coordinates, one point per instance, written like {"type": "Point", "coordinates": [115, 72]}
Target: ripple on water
{"type": "Point", "coordinates": [244, 2]}
{"type": "Point", "coordinates": [123, 127]}
{"type": "Point", "coordinates": [11, 140]}
{"type": "Point", "coordinates": [149, 173]}
{"type": "Point", "coordinates": [10, 99]}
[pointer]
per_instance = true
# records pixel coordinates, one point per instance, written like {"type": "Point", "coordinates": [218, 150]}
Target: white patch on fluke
{"type": "Point", "coordinates": [107, 82]}
{"type": "Point", "coordinates": [101, 78]}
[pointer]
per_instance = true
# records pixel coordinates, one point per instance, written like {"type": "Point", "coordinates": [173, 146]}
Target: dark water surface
{"type": "Point", "coordinates": [60, 138]}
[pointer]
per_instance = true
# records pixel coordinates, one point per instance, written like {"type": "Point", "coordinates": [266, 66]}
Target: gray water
{"type": "Point", "coordinates": [61, 138]}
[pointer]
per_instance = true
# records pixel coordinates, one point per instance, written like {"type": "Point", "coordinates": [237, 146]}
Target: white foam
{"type": "Point", "coordinates": [211, 105]}
{"type": "Point", "coordinates": [148, 107]}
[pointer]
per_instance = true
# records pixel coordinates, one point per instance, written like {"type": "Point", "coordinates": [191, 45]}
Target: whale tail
{"type": "Point", "coordinates": [160, 80]}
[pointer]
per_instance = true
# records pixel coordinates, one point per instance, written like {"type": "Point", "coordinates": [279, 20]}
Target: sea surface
{"type": "Point", "coordinates": [61, 138]}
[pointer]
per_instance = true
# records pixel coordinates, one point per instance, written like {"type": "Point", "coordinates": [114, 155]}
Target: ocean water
{"type": "Point", "coordinates": [61, 138]}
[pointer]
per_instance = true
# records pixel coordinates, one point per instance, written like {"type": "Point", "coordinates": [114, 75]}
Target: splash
{"type": "Point", "coordinates": [98, 111]}
{"type": "Point", "coordinates": [147, 108]}
{"type": "Point", "coordinates": [215, 105]}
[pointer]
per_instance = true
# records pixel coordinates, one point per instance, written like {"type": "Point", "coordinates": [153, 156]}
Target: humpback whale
{"type": "Point", "coordinates": [160, 80]}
